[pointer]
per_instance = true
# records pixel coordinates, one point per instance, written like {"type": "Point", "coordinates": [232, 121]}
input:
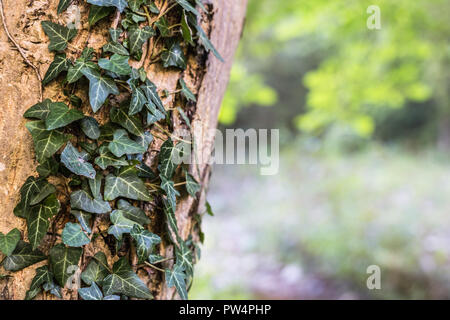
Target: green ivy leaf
{"type": "Point", "coordinates": [95, 185]}
{"type": "Point", "coordinates": [80, 199]}
{"type": "Point", "coordinates": [64, 262]}
{"type": "Point", "coordinates": [153, 98]}
{"type": "Point", "coordinates": [171, 192]}
{"type": "Point", "coordinates": [75, 72]}
{"type": "Point", "coordinates": [127, 186]}
{"type": "Point", "coordinates": [176, 277]}
{"type": "Point", "coordinates": [138, 100]}
{"type": "Point", "coordinates": [204, 40]}
{"type": "Point", "coordinates": [137, 36]}
{"type": "Point", "coordinates": [125, 281]}
{"type": "Point", "coordinates": [163, 26]}
{"type": "Point", "coordinates": [83, 218]}
{"type": "Point", "coordinates": [184, 117]}
{"type": "Point", "coordinates": [100, 87]}
{"type": "Point", "coordinates": [39, 110]}
{"type": "Point", "coordinates": [32, 192]}
{"type": "Point", "coordinates": [8, 242]}
{"type": "Point", "coordinates": [209, 209]}
{"type": "Point", "coordinates": [90, 128]}
{"type": "Point", "coordinates": [154, 258]}
{"type": "Point", "coordinates": [192, 186]}
{"type": "Point", "coordinates": [166, 158]}
{"type": "Point", "coordinates": [38, 220]}
{"type": "Point", "coordinates": [132, 212]}
{"type": "Point", "coordinates": [119, 4]}
{"type": "Point", "coordinates": [120, 224]}
{"type": "Point", "coordinates": [173, 56]}
{"type": "Point", "coordinates": [96, 13]}
{"type": "Point", "coordinates": [185, 258]}
{"type": "Point", "coordinates": [144, 140]}
{"type": "Point", "coordinates": [131, 123]}
{"type": "Point", "coordinates": [106, 159]}
{"type": "Point", "coordinates": [58, 34]}
{"type": "Point", "coordinates": [115, 34]}
{"type": "Point", "coordinates": [74, 236]}
{"type": "Point", "coordinates": [91, 293]}
{"type": "Point", "coordinates": [187, 6]}
{"type": "Point", "coordinates": [186, 92]}
{"type": "Point", "coordinates": [117, 48]}
{"type": "Point", "coordinates": [186, 30]}
{"type": "Point", "coordinates": [48, 167]}
{"type": "Point", "coordinates": [60, 116]}
{"type": "Point", "coordinates": [43, 275]}
{"type": "Point", "coordinates": [123, 145]}
{"type": "Point", "coordinates": [44, 189]}
{"type": "Point", "coordinates": [145, 241]}
{"type": "Point", "coordinates": [63, 5]}
{"type": "Point", "coordinates": [96, 270]}
{"type": "Point", "coordinates": [22, 257]}
{"type": "Point", "coordinates": [135, 5]}
{"type": "Point", "coordinates": [59, 64]}
{"type": "Point", "coordinates": [77, 162]}
{"type": "Point", "coordinates": [117, 64]}
{"type": "Point", "coordinates": [46, 143]}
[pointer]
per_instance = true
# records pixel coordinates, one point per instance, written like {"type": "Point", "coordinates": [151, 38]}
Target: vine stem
{"type": "Point", "coordinates": [22, 53]}
{"type": "Point", "coordinates": [171, 135]}
{"type": "Point", "coordinates": [154, 267]}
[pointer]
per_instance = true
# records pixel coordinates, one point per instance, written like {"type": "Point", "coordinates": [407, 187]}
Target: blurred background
{"type": "Point", "coordinates": [364, 179]}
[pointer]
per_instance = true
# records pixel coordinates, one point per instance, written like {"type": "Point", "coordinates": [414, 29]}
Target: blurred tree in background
{"type": "Point", "coordinates": [320, 62]}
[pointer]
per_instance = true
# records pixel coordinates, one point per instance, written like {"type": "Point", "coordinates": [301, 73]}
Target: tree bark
{"type": "Point", "coordinates": [19, 89]}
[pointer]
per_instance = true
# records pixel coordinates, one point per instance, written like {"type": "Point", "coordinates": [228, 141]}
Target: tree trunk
{"type": "Point", "coordinates": [19, 89]}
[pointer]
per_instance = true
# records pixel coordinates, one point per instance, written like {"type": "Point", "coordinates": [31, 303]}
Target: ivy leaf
{"type": "Point", "coordinates": [64, 262]}
{"type": "Point", "coordinates": [53, 288]}
{"type": "Point", "coordinates": [83, 218]}
{"type": "Point", "coordinates": [96, 270]}
{"type": "Point", "coordinates": [91, 293]}
{"type": "Point", "coordinates": [43, 275]}
{"type": "Point", "coordinates": [46, 143]}
{"type": "Point", "coordinates": [206, 42]}
{"type": "Point", "coordinates": [138, 100]}
{"type": "Point", "coordinates": [135, 5]}
{"type": "Point", "coordinates": [125, 281]}
{"type": "Point", "coordinates": [59, 64]}
{"type": "Point", "coordinates": [8, 242]}
{"type": "Point", "coordinates": [119, 4]}
{"type": "Point", "coordinates": [132, 212]}
{"type": "Point", "coordinates": [173, 56]}
{"type": "Point", "coordinates": [77, 162]}
{"type": "Point", "coordinates": [96, 13]}
{"type": "Point", "coordinates": [48, 167]}
{"type": "Point", "coordinates": [209, 209]}
{"type": "Point", "coordinates": [90, 128]}
{"type": "Point", "coordinates": [80, 199]}
{"type": "Point", "coordinates": [60, 116]}
{"type": "Point", "coordinates": [185, 117]}
{"type": "Point", "coordinates": [120, 224]}
{"type": "Point", "coordinates": [176, 277]}
{"type": "Point", "coordinates": [144, 140]}
{"type": "Point", "coordinates": [186, 92]}
{"type": "Point", "coordinates": [100, 87]}
{"type": "Point", "coordinates": [38, 220]}
{"type": "Point", "coordinates": [63, 5]}
{"type": "Point", "coordinates": [131, 123]}
{"type": "Point", "coordinates": [33, 191]}
{"type": "Point", "coordinates": [123, 145]}
{"type": "Point", "coordinates": [184, 258]}
{"type": "Point", "coordinates": [145, 241]}
{"type": "Point", "coordinates": [153, 99]}
{"type": "Point", "coordinates": [106, 159]}
{"type": "Point", "coordinates": [74, 236]}
{"type": "Point", "coordinates": [58, 34]}
{"type": "Point", "coordinates": [187, 6]}
{"type": "Point", "coordinates": [117, 48]}
{"type": "Point", "coordinates": [127, 186]}
{"type": "Point", "coordinates": [117, 64]}
{"type": "Point", "coordinates": [95, 185]}
{"type": "Point", "coordinates": [154, 258]}
{"type": "Point", "coordinates": [166, 158]}
{"type": "Point", "coordinates": [186, 30]}
{"type": "Point", "coordinates": [192, 185]}
{"type": "Point", "coordinates": [163, 26]}
{"type": "Point", "coordinates": [137, 36]}
{"type": "Point", "coordinates": [171, 221]}
{"type": "Point", "coordinates": [44, 189]}
{"type": "Point", "coordinates": [22, 257]}
{"type": "Point", "coordinates": [115, 34]}
{"type": "Point", "coordinates": [171, 192]}
{"type": "Point", "coordinates": [85, 61]}
{"type": "Point", "coordinates": [39, 110]}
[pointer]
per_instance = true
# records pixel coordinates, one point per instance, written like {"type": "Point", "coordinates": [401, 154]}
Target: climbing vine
{"type": "Point", "coordinates": [102, 165]}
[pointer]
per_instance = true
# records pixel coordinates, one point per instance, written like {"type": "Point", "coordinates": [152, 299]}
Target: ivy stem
{"type": "Point", "coordinates": [154, 267]}
{"type": "Point", "coordinates": [170, 134]}
{"type": "Point", "coordinates": [180, 184]}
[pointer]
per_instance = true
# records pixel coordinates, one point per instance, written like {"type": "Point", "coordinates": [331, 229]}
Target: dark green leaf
{"type": "Point", "coordinates": [149, 89]}
{"type": "Point", "coordinates": [44, 190]}
{"type": "Point", "coordinates": [209, 209]}
{"type": "Point", "coordinates": [163, 26]}
{"type": "Point", "coordinates": [115, 34]}
{"type": "Point", "coordinates": [131, 123]}
{"type": "Point", "coordinates": [145, 241]}
{"type": "Point", "coordinates": [33, 191]}
{"type": "Point", "coordinates": [46, 143]}
{"type": "Point", "coordinates": [38, 220]}
{"type": "Point", "coordinates": [138, 100]}
{"type": "Point", "coordinates": [95, 185]}
{"type": "Point", "coordinates": [80, 199]}
{"type": "Point", "coordinates": [83, 218]}
{"type": "Point", "coordinates": [91, 293]}
{"type": "Point", "coordinates": [96, 270]}
{"type": "Point", "coordinates": [206, 42]}
{"type": "Point", "coordinates": [96, 13]}
{"type": "Point", "coordinates": [192, 185]}
{"type": "Point", "coordinates": [117, 64]}
{"type": "Point", "coordinates": [184, 116]}
{"type": "Point", "coordinates": [186, 92]}
{"type": "Point", "coordinates": [122, 144]}
{"type": "Point", "coordinates": [125, 281]}
{"type": "Point", "coordinates": [176, 277]}
{"type": "Point", "coordinates": [187, 6]}
{"type": "Point", "coordinates": [186, 30]}
{"type": "Point", "coordinates": [119, 4]}
{"type": "Point", "coordinates": [60, 116]}
{"type": "Point", "coordinates": [64, 262]}
{"type": "Point", "coordinates": [154, 258]}
{"type": "Point", "coordinates": [74, 236]}
{"type": "Point", "coordinates": [171, 192]}
{"type": "Point", "coordinates": [132, 212]}
{"type": "Point", "coordinates": [43, 275]}
{"type": "Point", "coordinates": [127, 186]}
{"type": "Point", "coordinates": [77, 162]}
{"type": "Point", "coordinates": [84, 62]}
{"type": "Point", "coordinates": [58, 34]}
{"type": "Point", "coordinates": [120, 224]}
{"type": "Point", "coordinates": [137, 37]}
{"type": "Point", "coordinates": [59, 64]}
{"type": "Point", "coordinates": [8, 242]}
{"type": "Point", "coordinates": [185, 258]}
{"type": "Point", "coordinates": [106, 159]}
{"type": "Point", "coordinates": [144, 140]}
{"type": "Point", "coordinates": [22, 257]}
{"type": "Point", "coordinates": [48, 167]}
{"type": "Point", "coordinates": [173, 56]}
{"type": "Point", "coordinates": [117, 48]}
{"type": "Point", "coordinates": [63, 5]}
{"type": "Point", "coordinates": [135, 4]}
{"type": "Point", "coordinates": [39, 110]}
{"type": "Point", "coordinates": [100, 87]}
{"type": "Point", "coordinates": [90, 127]}
{"type": "Point", "coordinates": [167, 155]}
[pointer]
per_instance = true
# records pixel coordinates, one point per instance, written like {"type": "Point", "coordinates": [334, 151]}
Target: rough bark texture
{"type": "Point", "coordinates": [19, 89]}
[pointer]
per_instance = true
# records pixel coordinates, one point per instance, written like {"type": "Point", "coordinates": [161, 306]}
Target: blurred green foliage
{"type": "Point", "coordinates": [360, 71]}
